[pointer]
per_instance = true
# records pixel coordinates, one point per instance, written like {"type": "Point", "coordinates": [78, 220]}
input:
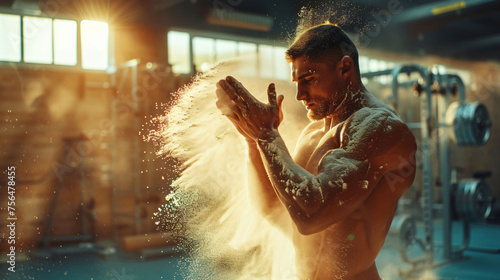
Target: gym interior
{"type": "Point", "coordinates": [82, 84]}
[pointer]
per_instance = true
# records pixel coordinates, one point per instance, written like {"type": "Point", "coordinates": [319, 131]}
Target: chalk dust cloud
{"type": "Point", "coordinates": [224, 236]}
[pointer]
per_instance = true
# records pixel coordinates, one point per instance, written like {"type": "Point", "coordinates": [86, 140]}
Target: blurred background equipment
{"type": "Point", "coordinates": [464, 201]}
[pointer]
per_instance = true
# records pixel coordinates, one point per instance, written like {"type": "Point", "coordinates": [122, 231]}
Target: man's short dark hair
{"type": "Point", "coordinates": [325, 43]}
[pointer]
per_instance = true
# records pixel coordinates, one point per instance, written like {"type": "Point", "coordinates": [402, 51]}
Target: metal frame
{"type": "Point", "coordinates": [129, 68]}
{"type": "Point", "coordinates": [424, 126]}
{"type": "Point", "coordinates": [429, 119]}
{"type": "Point", "coordinates": [84, 184]}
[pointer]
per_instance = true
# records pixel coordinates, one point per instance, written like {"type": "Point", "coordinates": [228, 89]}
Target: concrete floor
{"type": "Point", "coordinates": [480, 262]}
{"type": "Point", "coordinates": [121, 266]}
{"type": "Point", "coordinates": [127, 266]}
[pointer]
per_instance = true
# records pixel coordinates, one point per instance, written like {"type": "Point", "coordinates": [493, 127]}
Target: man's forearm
{"type": "Point", "coordinates": [296, 187]}
{"type": "Point", "coordinates": [261, 190]}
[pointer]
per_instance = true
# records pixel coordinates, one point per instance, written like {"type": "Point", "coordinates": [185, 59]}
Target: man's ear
{"type": "Point", "coordinates": [346, 66]}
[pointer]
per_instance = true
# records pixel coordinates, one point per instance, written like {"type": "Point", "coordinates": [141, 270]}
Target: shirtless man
{"type": "Point", "coordinates": [350, 166]}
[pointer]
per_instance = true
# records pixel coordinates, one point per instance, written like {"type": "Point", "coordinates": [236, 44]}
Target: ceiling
{"type": "Point", "coordinates": [467, 29]}
{"type": "Point", "coordinates": [458, 29]}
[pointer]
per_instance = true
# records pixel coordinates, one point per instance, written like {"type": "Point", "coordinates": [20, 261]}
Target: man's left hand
{"type": "Point", "coordinates": [252, 118]}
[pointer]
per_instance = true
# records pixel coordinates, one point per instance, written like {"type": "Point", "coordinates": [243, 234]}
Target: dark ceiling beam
{"type": "Point", "coordinates": [160, 5]}
{"type": "Point", "coordinates": [379, 4]}
{"type": "Point", "coordinates": [6, 3]}
{"type": "Point", "coordinates": [240, 20]}
{"type": "Point", "coordinates": [447, 10]}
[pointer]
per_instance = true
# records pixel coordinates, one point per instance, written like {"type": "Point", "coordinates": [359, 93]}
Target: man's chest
{"type": "Point", "coordinates": [315, 144]}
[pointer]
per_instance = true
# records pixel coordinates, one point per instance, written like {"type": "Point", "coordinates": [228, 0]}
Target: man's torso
{"type": "Point", "coordinates": [350, 246]}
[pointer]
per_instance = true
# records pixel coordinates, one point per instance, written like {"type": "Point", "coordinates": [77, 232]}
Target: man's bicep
{"type": "Point", "coordinates": [344, 181]}
{"type": "Point", "coordinates": [356, 162]}
{"type": "Point", "coordinates": [395, 148]}
{"type": "Point", "coordinates": [358, 166]}
{"type": "Point", "coordinates": [347, 180]}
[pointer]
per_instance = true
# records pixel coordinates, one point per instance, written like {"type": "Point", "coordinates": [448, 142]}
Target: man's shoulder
{"type": "Point", "coordinates": [375, 113]}
{"type": "Point", "coordinates": [369, 125]}
{"type": "Point", "coordinates": [372, 119]}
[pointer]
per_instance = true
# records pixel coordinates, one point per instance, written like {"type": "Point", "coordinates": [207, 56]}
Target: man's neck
{"type": "Point", "coordinates": [352, 103]}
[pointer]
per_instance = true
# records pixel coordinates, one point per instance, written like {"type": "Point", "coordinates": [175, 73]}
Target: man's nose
{"type": "Point", "coordinates": [301, 94]}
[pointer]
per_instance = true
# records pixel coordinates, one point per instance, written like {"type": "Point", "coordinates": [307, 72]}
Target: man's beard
{"type": "Point", "coordinates": [325, 107]}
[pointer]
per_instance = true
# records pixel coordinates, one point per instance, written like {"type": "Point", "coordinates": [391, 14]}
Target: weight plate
{"type": "Point", "coordinates": [403, 227]}
{"type": "Point", "coordinates": [472, 200]}
{"type": "Point", "coordinates": [472, 124]}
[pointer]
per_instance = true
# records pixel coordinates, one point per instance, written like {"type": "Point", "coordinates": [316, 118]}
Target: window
{"type": "Point", "coordinates": [281, 67]}
{"type": "Point", "coordinates": [10, 38]}
{"type": "Point", "coordinates": [225, 49]}
{"type": "Point", "coordinates": [247, 48]}
{"type": "Point", "coordinates": [258, 59]}
{"type": "Point", "coordinates": [203, 53]}
{"type": "Point", "coordinates": [37, 39]}
{"type": "Point", "coordinates": [248, 51]}
{"type": "Point", "coordinates": [382, 65]}
{"type": "Point", "coordinates": [46, 40]}
{"type": "Point", "coordinates": [178, 52]}
{"type": "Point", "coordinates": [367, 65]}
{"type": "Point", "coordinates": [266, 65]}
{"type": "Point", "coordinates": [65, 42]}
{"type": "Point", "coordinates": [94, 45]}
{"type": "Point", "coordinates": [363, 64]}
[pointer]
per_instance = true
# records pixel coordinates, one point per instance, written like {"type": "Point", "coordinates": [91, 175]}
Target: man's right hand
{"type": "Point", "coordinates": [229, 109]}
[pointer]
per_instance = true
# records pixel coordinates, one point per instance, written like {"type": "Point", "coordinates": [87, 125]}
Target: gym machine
{"type": "Point", "coordinates": [466, 200]}
{"type": "Point", "coordinates": [71, 163]}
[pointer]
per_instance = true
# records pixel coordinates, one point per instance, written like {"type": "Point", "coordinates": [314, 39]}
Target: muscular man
{"type": "Point", "coordinates": [350, 166]}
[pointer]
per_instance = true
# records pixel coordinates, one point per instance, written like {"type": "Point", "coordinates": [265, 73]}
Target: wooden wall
{"type": "Point", "coordinates": [73, 128]}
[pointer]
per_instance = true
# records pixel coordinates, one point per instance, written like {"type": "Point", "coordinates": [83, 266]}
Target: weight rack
{"type": "Point", "coordinates": [468, 200]}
